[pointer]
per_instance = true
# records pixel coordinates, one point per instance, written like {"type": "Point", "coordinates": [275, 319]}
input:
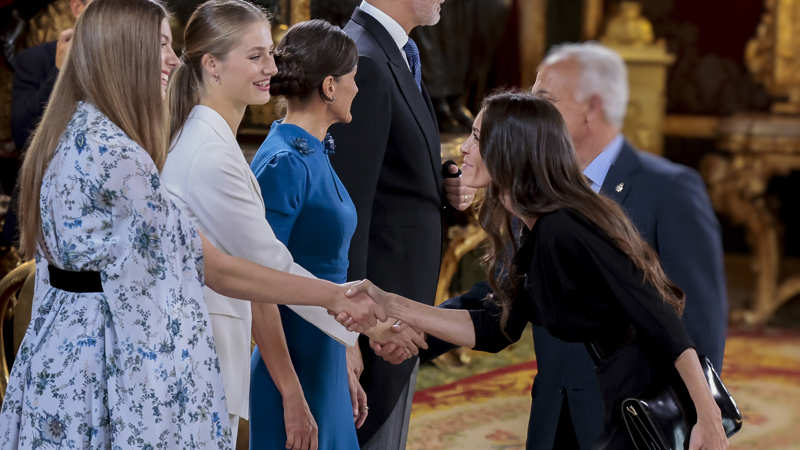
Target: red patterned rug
{"type": "Point", "coordinates": [490, 410]}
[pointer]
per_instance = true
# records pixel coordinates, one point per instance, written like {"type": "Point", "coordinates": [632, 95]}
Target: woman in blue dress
{"type": "Point", "coordinates": [311, 212]}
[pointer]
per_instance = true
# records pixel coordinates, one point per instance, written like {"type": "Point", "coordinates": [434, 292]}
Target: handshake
{"type": "Point", "coordinates": [367, 309]}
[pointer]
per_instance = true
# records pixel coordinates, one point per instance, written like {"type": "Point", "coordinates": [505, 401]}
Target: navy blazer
{"type": "Point", "coordinates": [669, 205]}
{"type": "Point", "coordinates": [35, 75]}
{"type": "Point", "coordinates": [389, 160]}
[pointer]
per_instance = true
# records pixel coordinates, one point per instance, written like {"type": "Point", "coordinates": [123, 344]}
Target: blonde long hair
{"type": "Point", "coordinates": [113, 64]}
{"type": "Point", "coordinates": [214, 28]}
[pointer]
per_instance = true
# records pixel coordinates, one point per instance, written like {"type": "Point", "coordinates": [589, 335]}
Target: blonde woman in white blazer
{"type": "Point", "coordinates": [227, 65]}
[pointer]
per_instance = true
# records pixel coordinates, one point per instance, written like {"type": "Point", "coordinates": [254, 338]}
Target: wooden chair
{"type": "Point", "coordinates": [16, 298]}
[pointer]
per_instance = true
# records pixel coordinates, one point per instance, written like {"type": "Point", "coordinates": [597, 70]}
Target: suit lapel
{"type": "Point", "coordinates": [618, 183]}
{"type": "Point", "coordinates": [417, 101]}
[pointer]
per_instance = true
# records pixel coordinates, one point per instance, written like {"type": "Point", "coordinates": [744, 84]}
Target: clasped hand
{"type": "Point", "coordinates": [395, 341]}
{"type": "Point", "coordinates": [357, 311]}
{"type": "Point", "coordinates": [392, 340]}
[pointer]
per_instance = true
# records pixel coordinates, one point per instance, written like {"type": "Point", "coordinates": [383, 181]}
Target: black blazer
{"type": "Point", "coordinates": [35, 74]}
{"type": "Point", "coordinates": [389, 160]}
{"type": "Point", "coordinates": [669, 205]}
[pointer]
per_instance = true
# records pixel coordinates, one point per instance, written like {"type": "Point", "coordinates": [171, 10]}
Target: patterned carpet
{"type": "Point", "coordinates": [490, 410]}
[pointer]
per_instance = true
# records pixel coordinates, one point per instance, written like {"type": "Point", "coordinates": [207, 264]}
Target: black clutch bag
{"type": "Point", "coordinates": [665, 421]}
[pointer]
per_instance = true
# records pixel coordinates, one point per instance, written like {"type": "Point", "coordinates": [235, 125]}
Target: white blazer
{"type": "Point", "coordinates": [210, 180]}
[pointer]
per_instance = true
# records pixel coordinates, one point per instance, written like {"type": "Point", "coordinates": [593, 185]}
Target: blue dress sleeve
{"type": "Point", "coordinates": [284, 182]}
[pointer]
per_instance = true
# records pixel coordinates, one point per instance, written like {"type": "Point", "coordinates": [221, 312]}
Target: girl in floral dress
{"type": "Point", "coordinates": [119, 352]}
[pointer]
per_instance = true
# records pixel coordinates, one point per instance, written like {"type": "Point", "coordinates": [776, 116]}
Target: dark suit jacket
{"type": "Point", "coordinates": [669, 205]}
{"type": "Point", "coordinates": [389, 160]}
{"type": "Point", "coordinates": [34, 76]}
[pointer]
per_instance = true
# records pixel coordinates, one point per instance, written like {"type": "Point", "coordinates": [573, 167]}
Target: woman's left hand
{"type": "Point", "coordinates": [358, 396]}
{"type": "Point", "coordinates": [708, 434]}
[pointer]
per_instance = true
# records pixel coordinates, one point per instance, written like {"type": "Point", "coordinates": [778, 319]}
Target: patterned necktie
{"type": "Point", "coordinates": [412, 54]}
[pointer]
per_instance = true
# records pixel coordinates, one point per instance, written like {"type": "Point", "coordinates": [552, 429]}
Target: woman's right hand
{"type": "Point", "coordinates": [366, 287]}
{"type": "Point", "coordinates": [301, 428]}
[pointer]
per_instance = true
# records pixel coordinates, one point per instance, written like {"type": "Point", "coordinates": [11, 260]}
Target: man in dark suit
{"type": "Point", "coordinates": [389, 160]}
{"type": "Point", "coordinates": [35, 72]}
{"type": "Point", "coordinates": [669, 205]}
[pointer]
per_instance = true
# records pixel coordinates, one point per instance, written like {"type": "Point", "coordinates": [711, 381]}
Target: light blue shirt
{"type": "Point", "coordinates": [597, 170]}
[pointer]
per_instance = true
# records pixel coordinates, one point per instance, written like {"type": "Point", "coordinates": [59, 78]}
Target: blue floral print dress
{"type": "Point", "coordinates": [134, 366]}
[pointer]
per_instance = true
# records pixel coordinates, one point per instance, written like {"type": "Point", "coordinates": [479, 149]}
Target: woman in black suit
{"type": "Point", "coordinates": [578, 267]}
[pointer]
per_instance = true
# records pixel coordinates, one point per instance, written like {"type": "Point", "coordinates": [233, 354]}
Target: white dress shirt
{"type": "Point", "coordinates": [209, 179]}
{"type": "Point", "coordinates": [395, 30]}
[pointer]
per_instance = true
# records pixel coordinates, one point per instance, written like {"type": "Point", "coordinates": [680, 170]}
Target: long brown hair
{"type": "Point", "coordinates": [529, 156]}
{"type": "Point", "coordinates": [214, 28]}
{"type": "Point", "coordinates": [113, 63]}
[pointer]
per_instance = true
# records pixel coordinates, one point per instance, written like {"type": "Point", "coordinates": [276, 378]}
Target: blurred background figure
{"type": "Point", "coordinates": [458, 54]}
{"type": "Point", "coordinates": [35, 72]}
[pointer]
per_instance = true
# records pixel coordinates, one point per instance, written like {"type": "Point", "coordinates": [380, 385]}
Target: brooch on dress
{"type": "Point", "coordinates": [330, 146]}
{"type": "Point", "coordinates": [301, 145]}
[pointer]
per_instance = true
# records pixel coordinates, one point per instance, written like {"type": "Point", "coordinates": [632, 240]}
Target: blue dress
{"type": "Point", "coordinates": [311, 212]}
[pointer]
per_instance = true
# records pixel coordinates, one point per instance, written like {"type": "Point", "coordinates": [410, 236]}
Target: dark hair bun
{"type": "Point", "coordinates": [308, 53]}
{"type": "Point", "coordinates": [291, 80]}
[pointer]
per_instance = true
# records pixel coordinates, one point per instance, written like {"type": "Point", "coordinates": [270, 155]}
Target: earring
{"type": "Point", "coordinates": [216, 78]}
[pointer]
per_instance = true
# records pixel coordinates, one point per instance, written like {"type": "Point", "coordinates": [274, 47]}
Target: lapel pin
{"type": "Point", "coordinates": [620, 187]}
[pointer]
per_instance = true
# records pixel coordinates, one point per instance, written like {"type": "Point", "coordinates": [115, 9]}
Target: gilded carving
{"type": "Point", "coordinates": [773, 56]}
{"type": "Point", "coordinates": [16, 292]}
{"type": "Point", "coordinates": [759, 147]}
{"type": "Point", "coordinates": [631, 35]}
{"type": "Point", "coordinates": [629, 27]}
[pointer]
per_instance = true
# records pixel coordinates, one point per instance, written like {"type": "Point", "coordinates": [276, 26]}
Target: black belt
{"type": "Point", "coordinates": [79, 282]}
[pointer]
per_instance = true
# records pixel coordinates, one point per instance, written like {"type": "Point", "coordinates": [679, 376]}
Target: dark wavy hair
{"type": "Point", "coordinates": [529, 156]}
{"type": "Point", "coordinates": [308, 53]}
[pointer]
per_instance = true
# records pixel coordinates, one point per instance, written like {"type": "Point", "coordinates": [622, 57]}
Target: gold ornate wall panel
{"type": "Point", "coordinates": [773, 55]}
{"type": "Point", "coordinates": [631, 35]}
{"type": "Point", "coordinates": [532, 38]}
{"type": "Point", "coordinates": [759, 147]}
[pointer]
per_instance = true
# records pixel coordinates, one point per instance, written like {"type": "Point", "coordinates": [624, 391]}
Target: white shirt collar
{"type": "Point", "coordinates": [394, 29]}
